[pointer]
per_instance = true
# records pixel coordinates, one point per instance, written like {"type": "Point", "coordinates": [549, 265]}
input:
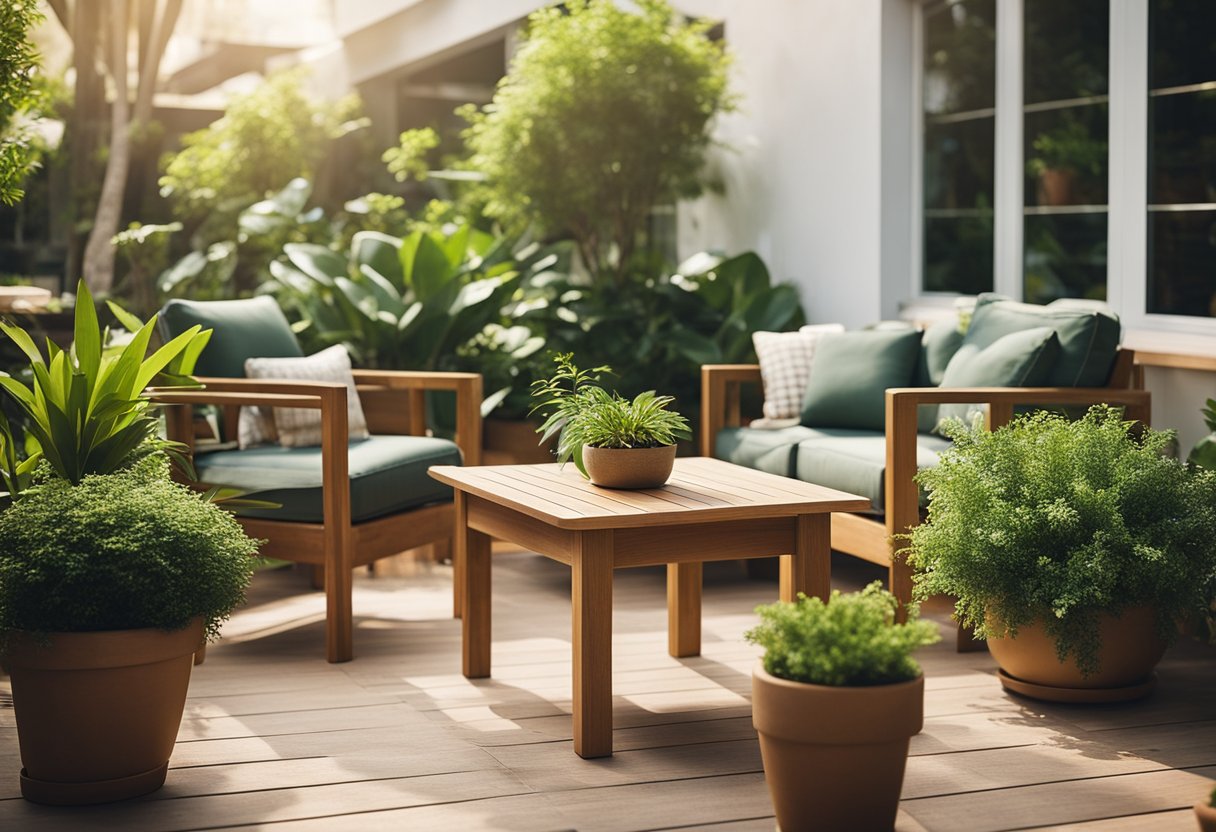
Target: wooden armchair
{"type": "Point", "coordinates": [872, 538]}
{"type": "Point", "coordinates": [327, 530]}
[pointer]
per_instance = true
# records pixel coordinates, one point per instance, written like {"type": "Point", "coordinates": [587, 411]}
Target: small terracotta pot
{"type": "Point", "coordinates": [1131, 648]}
{"type": "Point", "coordinates": [834, 757]}
{"type": "Point", "coordinates": [1055, 186]}
{"type": "Point", "coordinates": [1205, 813]}
{"type": "Point", "coordinates": [98, 713]}
{"type": "Point", "coordinates": [629, 467]}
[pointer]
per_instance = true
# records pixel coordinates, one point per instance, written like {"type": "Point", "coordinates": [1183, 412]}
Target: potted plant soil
{"type": "Point", "coordinates": [1205, 812]}
{"type": "Point", "coordinates": [112, 575]}
{"type": "Point", "coordinates": [1072, 547]}
{"type": "Point", "coordinates": [836, 699]}
{"type": "Point", "coordinates": [615, 442]}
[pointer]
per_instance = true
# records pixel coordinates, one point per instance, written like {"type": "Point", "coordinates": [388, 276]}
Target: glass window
{"type": "Point", "coordinates": [1065, 131]}
{"type": "Point", "coordinates": [959, 94]}
{"type": "Point", "coordinates": [1182, 158]}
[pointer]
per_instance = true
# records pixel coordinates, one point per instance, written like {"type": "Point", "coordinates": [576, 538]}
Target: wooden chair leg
{"type": "Point", "coordinates": [441, 550]}
{"type": "Point", "coordinates": [318, 576]}
{"type": "Point", "coordinates": [339, 591]}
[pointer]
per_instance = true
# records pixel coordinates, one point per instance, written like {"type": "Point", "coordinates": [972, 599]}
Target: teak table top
{"type": "Point", "coordinates": [700, 490]}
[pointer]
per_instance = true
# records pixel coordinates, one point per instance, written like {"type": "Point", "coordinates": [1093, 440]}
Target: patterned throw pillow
{"type": "Point", "coordinates": [785, 367]}
{"type": "Point", "coordinates": [294, 427]}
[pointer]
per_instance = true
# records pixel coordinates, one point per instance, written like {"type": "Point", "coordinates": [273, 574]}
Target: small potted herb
{"type": "Point", "coordinates": [111, 575]}
{"type": "Point", "coordinates": [1072, 547]}
{"type": "Point", "coordinates": [615, 442]}
{"type": "Point", "coordinates": [836, 699]}
{"type": "Point", "coordinates": [1205, 811]}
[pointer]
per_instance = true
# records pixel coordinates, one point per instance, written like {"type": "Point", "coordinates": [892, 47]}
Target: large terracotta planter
{"type": "Point", "coordinates": [1131, 648]}
{"type": "Point", "coordinates": [629, 467]}
{"type": "Point", "coordinates": [834, 757]}
{"type": "Point", "coordinates": [98, 713]}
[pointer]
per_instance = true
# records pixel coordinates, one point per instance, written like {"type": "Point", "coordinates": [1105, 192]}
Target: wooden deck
{"type": "Point", "coordinates": [398, 739]}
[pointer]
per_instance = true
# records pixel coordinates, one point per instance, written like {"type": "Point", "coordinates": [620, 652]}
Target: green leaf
{"type": "Point", "coordinates": [380, 253]}
{"type": "Point", "coordinates": [318, 262]}
{"type": "Point", "coordinates": [87, 343]}
{"type": "Point", "coordinates": [129, 322]}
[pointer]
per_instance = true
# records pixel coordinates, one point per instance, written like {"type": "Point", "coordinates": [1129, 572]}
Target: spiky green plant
{"type": "Point", "coordinates": [853, 640]}
{"type": "Point", "coordinates": [573, 402]}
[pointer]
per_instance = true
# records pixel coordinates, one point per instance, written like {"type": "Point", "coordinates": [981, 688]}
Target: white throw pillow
{"type": "Point", "coordinates": [296, 427]}
{"type": "Point", "coordinates": [785, 365]}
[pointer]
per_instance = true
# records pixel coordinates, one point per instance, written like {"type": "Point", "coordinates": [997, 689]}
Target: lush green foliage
{"type": "Point", "coordinates": [85, 411]}
{"type": "Point", "coordinates": [265, 138]}
{"type": "Point", "coordinates": [1057, 520]}
{"type": "Point", "coordinates": [573, 402]}
{"type": "Point", "coordinates": [851, 641]}
{"type": "Point", "coordinates": [1204, 452]}
{"type": "Point", "coordinates": [603, 114]}
{"type": "Point", "coordinates": [122, 550]}
{"type": "Point", "coordinates": [18, 95]}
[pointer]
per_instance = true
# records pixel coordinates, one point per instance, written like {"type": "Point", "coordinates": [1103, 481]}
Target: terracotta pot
{"type": "Point", "coordinates": [1055, 186]}
{"type": "Point", "coordinates": [1131, 648]}
{"type": "Point", "coordinates": [834, 756]}
{"type": "Point", "coordinates": [1206, 815]}
{"type": "Point", "coordinates": [98, 713]}
{"type": "Point", "coordinates": [629, 467]}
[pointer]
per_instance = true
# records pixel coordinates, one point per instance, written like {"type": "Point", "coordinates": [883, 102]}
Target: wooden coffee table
{"type": "Point", "coordinates": [709, 510]}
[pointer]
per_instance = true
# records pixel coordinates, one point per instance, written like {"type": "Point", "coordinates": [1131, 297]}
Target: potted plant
{"type": "Point", "coordinates": [1061, 157]}
{"type": "Point", "coordinates": [1205, 811]}
{"type": "Point", "coordinates": [614, 442]}
{"type": "Point", "coordinates": [111, 574]}
{"type": "Point", "coordinates": [1072, 547]}
{"type": "Point", "coordinates": [836, 699]}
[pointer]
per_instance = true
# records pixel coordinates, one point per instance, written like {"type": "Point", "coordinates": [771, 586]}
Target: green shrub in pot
{"type": "Point", "coordinates": [1061, 524]}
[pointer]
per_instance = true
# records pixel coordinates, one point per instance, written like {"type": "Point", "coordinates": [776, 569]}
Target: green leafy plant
{"type": "Point", "coordinates": [1059, 521]}
{"type": "Point", "coordinates": [19, 97]}
{"type": "Point", "coordinates": [1069, 147]}
{"type": "Point", "coordinates": [1204, 452]}
{"type": "Point", "coordinates": [851, 641]}
{"type": "Point", "coordinates": [573, 402]}
{"type": "Point", "coordinates": [554, 146]}
{"type": "Point", "coordinates": [121, 550]}
{"type": "Point", "coordinates": [85, 410]}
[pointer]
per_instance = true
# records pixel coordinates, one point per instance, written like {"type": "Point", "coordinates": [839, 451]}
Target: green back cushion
{"type": "Point", "coordinates": [1089, 339]}
{"type": "Point", "coordinates": [1019, 359]}
{"type": "Point", "coordinates": [851, 372]}
{"type": "Point", "coordinates": [253, 328]}
{"type": "Point", "coordinates": [938, 345]}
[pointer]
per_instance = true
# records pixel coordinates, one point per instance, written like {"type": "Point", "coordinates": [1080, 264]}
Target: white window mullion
{"type": "Point", "coordinates": [1008, 184]}
{"type": "Point", "coordinates": [1127, 229]}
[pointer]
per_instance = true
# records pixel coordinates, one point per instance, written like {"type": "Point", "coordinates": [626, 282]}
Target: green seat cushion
{"type": "Point", "coordinates": [1089, 339]}
{"type": "Point", "coordinates": [771, 451]}
{"type": "Point", "coordinates": [1019, 359]}
{"type": "Point", "coordinates": [851, 372]}
{"type": "Point", "coordinates": [251, 328]}
{"type": "Point", "coordinates": [937, 346]}
{"type": "Point", "coordinates": [856, 461]}
{"type": "Point", "coordinates": [387, 474]}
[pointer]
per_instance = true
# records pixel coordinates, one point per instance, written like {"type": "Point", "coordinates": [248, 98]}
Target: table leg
{"type": "Point", "coordinates": [591, 602]}
{"type": "Point", "coordinates": [475, 594]}
{"type": "Point", "coordinates": [684, 609]}
{"type": "Point", "coordinates": [809, 568]}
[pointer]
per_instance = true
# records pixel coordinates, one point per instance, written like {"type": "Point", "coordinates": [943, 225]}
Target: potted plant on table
{"type": "Point", "coordinates": [111, 574]}
{"type": "Point", "coordinates": [1072, 547]}
{"type": "Point", "coordinates": [615, 442]}
{"type": "Point", "coordinates": [836, 699]}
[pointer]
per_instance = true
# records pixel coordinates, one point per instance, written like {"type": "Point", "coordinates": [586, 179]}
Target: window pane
{"type": "Point", "coordinates": [1065, 257]}
{"type": "Point", "coordinates": [1067, 53]}
{"type": "Point", "coordinates": [1066, 156]}
{"type": "Point", "coordinates": [959, 96]}
{"type": "Point", "coordinates": [1182, 158]}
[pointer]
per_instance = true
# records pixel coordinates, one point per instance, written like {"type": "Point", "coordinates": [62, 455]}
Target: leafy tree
{"type": "Point", "coordinates": [603, 114]}
{"type": "Point", "coordinates": [18, 95]}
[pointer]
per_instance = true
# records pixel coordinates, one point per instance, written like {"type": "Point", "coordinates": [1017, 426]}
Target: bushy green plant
{"type": "Point", "coordinates": [123, 550]}
{"type": "Point", "coordinates": [851, 641]}
{"type": "Point", "coordinates": [1059, 521]}
{"type": "Point", "coordinates": [573, 402]}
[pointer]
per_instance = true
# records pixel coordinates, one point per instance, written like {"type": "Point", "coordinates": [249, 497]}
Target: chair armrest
{"type": "Point", "coordinates": [466, 386]}
{"type": "Point", "coordinates": [720, 385]}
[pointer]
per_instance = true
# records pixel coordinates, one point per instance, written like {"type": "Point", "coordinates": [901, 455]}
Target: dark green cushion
{"type": "Point", "coordinates": [937, 346]}
{"type": "Point", "coordinates": [771, 451]}
{"type": "Point", "coordinates": [1089, 339]}
{"type": "Point", "coordinates": [851, 372]}
{"type": "Point", "coordinates": [252, 328]}
{"type": "Point", "coordinates": [1019, 359]}
{"type": "Point", "coordinates": [387, 474]}
{"type": "Point", "coordinates": [855, 461]}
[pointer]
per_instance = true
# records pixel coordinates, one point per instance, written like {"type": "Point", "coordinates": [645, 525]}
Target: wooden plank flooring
{"type": "Point", "coordinates": [274, 738]}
